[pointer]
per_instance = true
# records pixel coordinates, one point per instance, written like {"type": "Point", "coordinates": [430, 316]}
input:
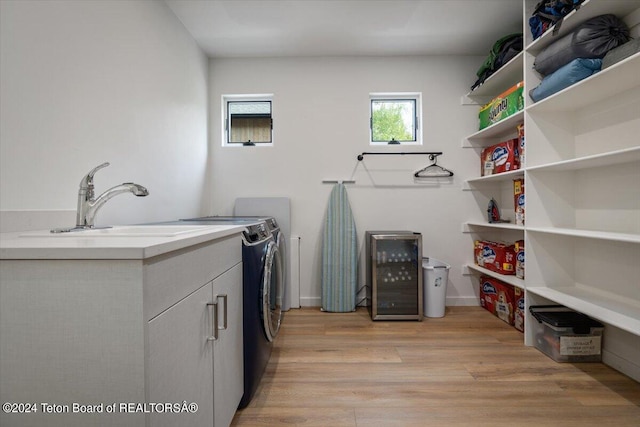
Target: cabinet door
{"type": "Point", "coordinates": [228, 357]}
{"type": "Point", "coordinates": [180, 360]}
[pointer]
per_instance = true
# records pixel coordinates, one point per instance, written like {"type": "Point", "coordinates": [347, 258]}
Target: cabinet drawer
{"type": "Point", "coordinates": [171, 277]}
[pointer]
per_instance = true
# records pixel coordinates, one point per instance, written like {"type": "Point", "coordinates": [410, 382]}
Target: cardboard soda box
{"type": "Point", "coordinates": [501, 157]}
{"type": "Point", "coordinates": [502, 106]}
{"type": "Point", "coordinates": [518, 315]}
{"type": "Point", "coordinates": [519, 247]}
{"type": "Point", "coordinates": [518, 200]}
{"type": "Point", "coordinates": [498, 298]}
{"type": "Point", "coordinates": [495, 256]}
{"type": "Point", "coordinates": [520, 129]}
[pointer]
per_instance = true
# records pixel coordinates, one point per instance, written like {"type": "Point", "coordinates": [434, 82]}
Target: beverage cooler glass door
{"type": "Point", "coordinates": [396, 276]}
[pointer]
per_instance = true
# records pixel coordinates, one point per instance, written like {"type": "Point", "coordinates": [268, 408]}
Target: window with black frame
{"type": "Point", "coordinates": [248, 122]}
{"type": "Point", "coordinates": [394, 119]}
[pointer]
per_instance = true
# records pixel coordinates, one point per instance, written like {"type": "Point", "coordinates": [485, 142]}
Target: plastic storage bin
{"type": "Point", "coordinates": [565, 335]}
{"type": "Point", "coordinates": [435, 274]}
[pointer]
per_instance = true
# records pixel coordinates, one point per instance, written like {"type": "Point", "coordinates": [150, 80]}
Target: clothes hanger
{"type": "Point", "coordinates": [433, 170]}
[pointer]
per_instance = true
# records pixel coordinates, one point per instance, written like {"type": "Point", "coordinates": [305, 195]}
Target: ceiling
{"type": "Point", "coordinates": [281, 28]}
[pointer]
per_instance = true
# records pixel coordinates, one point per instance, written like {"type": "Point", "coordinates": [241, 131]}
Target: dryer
{"type": "Point", "coordinates": [278, 209]}
{"type": "Point", "coordinates": [278, 237]}
{"type": "Point", "coordinates": [263, 286]}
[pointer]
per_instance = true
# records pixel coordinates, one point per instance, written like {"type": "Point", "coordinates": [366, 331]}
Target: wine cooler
{"type": "Point", "coordinates": [394, 275]}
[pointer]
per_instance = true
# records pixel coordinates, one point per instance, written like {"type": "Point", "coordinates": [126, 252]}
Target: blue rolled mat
{"type": "Point", "coordinates": [565, 76]}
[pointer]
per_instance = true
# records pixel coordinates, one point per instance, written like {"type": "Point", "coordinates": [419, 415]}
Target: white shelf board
{"type": "Point", "coordinates": [616, 79]}
{"type": "Point", "coordinates": [589, 234]}
{"type": "Point", "coordinates": [608, 308]}
{"type": "Point", "coordinates": [512, 280]}
{"type": "Point", "coordinates": [504, 176]}
{"type": "Point", "coordinates": [618, 157]}
{"type": "Point", "coordinates": [503, 127]}
{"type": "Point", "coordinates": [500, 226]}
{"type": "Point", "coordinates": [508, 75]}
{"type": "Point", "coordinates": [588, 10]}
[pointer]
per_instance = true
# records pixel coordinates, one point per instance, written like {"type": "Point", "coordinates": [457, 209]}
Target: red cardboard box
{"type": "Point", "coordinates": [518, 315]}
{"type": "Point", "coordinates": [495, 256]}
{"type": "Point", "coordinates": [501, 157]}
{"type": "Point", "coordinates": [498, 298]}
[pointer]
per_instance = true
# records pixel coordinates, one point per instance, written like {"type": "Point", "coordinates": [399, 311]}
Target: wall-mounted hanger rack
{"type": "Point", "coordinates": [336, 181]}
{"type": "Point", "coordinates": [432, 154]}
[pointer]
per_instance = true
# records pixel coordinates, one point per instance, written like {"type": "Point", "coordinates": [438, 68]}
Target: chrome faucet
{"type": "Point", "coordinates": [88, 205]}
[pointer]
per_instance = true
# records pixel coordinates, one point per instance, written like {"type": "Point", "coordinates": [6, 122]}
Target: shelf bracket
{"type": "Point", "coordinates": [475, 100]}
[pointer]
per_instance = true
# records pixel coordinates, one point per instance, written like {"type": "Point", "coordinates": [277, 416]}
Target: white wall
{"type": "Point", "coordinates": [84, 82]}
{"type": "Point", "coordinates": [321, 118]}
{"type": "Point", "coordinates": [93, 81]}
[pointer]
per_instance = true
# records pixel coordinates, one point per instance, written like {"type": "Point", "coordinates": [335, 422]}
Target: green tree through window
{"type": "Point", "coordinates": [392, 119]}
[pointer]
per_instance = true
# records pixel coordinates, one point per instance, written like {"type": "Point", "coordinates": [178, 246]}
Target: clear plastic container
{"type": "Point", "coordinates": [565, 335]}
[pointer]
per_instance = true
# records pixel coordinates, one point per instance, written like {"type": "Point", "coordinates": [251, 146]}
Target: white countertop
{"type": "Point", "coordinates": [93, 245]}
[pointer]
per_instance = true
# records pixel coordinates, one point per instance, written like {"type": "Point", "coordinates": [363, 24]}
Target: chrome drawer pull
{"type": "Point", "coordinates": [213, 311]}
{"type": "Point", "coordinates": [224, 321]}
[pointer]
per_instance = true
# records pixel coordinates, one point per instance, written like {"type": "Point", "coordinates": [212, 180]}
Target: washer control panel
{"type": "Point", "coordinates": [257, 232]}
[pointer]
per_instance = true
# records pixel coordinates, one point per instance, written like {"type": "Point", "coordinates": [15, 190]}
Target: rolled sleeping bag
{"type": "Point", "coordinates": [573, 72]}
{"type": "Point", "coordinates": [591, 39]}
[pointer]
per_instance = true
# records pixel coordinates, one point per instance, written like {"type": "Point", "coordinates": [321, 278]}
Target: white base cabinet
{"type": "Point", "coordinates": [184, 356]}
{"type": "Point", "coordinates": [128, 333]}
{"type": "Point", "coordinates": [582, 186]}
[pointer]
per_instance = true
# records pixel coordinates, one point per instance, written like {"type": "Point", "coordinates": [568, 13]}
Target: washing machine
{"type": "Point", "coordinates": [263, 286]}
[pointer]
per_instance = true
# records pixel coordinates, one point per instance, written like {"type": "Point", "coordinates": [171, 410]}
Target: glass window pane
{"type": "Point", "coordinates": [251, 107]}
{"type": "Point", "coordinates": [249, 121]}
{"type": "Point", "coordinates": [393, 119]}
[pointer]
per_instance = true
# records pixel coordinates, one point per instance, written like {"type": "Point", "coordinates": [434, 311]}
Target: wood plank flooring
{"type": "Point", "coordinates": [465, 369]}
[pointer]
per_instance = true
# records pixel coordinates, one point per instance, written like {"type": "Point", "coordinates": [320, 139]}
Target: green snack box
{"type": "Point", "coordinates": [502, 106]}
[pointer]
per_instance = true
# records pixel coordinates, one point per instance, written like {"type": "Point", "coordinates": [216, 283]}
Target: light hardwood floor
{"type": "Point", "coordinates": [465, 369]}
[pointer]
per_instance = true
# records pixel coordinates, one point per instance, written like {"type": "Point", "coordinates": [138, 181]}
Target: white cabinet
{"type": "Point", "coordinates": [228, 359]}
{"type": "Point", "coordinates": [582, 185]}
{"type": "Point", "coordinates": [195, 354]}
{"type": "Point", "coordinates": [129, 332]}
{"type": "Point", "coordinates": [181, 359]}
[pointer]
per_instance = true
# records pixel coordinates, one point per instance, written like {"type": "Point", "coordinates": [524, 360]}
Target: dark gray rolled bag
{"type": "Point", "coordinates": [591, 39]}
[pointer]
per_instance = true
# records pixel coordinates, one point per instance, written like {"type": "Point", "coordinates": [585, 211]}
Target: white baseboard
{"type": "Point", "coordinates": [451, 301]}
{"type": "Point", "coordinates": [310, 301]}
{"type": "Point", "coordinates": [463, 301]}
{"type": "Point", "coordinates": [619, 364]}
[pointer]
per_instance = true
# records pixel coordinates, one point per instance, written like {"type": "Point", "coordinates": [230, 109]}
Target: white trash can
{"type": "Point", "coordinates": [435, 274]}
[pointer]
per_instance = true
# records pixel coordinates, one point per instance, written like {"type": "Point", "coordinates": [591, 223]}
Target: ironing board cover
{"type": "Point", "coordinates": [339, 254]}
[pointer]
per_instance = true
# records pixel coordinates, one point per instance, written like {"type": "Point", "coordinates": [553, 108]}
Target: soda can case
{"type": "Point", "coordinates": [520, 129]}
{"type": "Point", "coordinates": [519, 200]}
{"type": "Point", "coordinates": [518, 315]}
{"type": "Point", "coordinates": [519, 248]}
